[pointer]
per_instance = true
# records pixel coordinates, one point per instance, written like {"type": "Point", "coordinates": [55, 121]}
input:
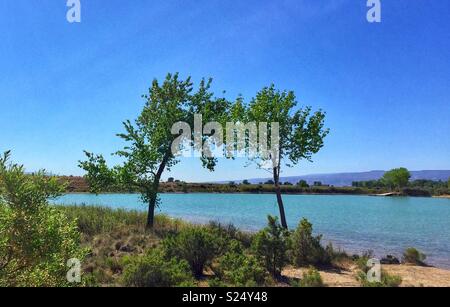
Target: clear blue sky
{"type": "Point", "coordinates": [386, 87]}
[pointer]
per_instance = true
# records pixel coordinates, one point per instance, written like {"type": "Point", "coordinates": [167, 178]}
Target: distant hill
{"type": "Point", "coordinates": [346, 179]}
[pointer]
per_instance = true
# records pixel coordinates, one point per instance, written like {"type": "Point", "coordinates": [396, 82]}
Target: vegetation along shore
{"type": "Point", "coordinates": [421, 188]}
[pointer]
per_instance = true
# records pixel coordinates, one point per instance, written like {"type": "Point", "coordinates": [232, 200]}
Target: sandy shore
{"type": "Point", "coordinates": [442, 196]}
{"type": "Point", "coordinates": [413, 276]}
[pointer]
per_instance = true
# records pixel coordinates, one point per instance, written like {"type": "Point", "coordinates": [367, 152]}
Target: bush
{"type": "Point", "coordinates": [387, 280]}
{"type": "Point", "coordinates": [306, 249]}
{"type": "Point", "coordinates": [154, 270]}
{"type": "Point", "coordinates": [196, 245]}
{"type": "Point", "coordinates": [239, 269]}
{"type": "Point", "coordinates": [311, 279]}
{"type": "Point", "coordinates": [361, 261]}
{"type": "Point", "coordinates": [226, 233]}
{"type": "Point", "coordinates": [36, 240]}
{"type": "Point", "coordinates": [271, 245]}
{"type": "Point", "coordinates": [413, 256]}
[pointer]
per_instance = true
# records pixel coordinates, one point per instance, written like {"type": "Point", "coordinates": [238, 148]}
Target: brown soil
{"type": "Point", "coordinates": [413, 276]}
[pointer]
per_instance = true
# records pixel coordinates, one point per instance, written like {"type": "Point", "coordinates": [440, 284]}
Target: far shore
{"type": "Point", "coordinates": [442, 196]}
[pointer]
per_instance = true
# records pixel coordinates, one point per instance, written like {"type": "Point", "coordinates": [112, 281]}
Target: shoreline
{"type": "Point", "coordinates": [256, 193]}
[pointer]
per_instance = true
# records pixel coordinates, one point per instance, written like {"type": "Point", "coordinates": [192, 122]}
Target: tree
{"type": "Point", "coordinates": [303, 184]}
{"type": "Point", "coordinates": [448, 183]}
{"type": "Point", "coordinates": [245, 182]}
{"type": "Point", "coordinates": [149, 151]}
{"type": "Point", "coordinates": [397, 178]}
{"type": "Point", "coordinates": [36, 240]}
{"type": "Point", "coordinates": [301, 133]}
{"type": "Point", "coordinates": [317, 183]}
{"type": "Point", "coordinates": [171, 180]}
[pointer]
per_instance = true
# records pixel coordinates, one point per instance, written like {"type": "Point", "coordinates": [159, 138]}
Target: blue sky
{"type": "Point", "coordinates": [67, 87]}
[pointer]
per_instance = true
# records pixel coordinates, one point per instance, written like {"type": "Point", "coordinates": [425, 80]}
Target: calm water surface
{"type": "Point", "coordinates": [354, 223]}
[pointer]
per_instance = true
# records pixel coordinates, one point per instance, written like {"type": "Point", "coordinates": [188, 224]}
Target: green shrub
{"type": "Point", "coordinates": [226, 233]}
{"type": "Point", "coordinates": [36, 240]}
{"type": "Point", "coordinates": [307, 249]}
{"type": "Point", "coordinates": [216, 283]}
{"type": "Point", "coordinates": [413, 256]}
{"type": "Point", "coordinates": [239, 269]}
{"type": "Point", "coordinates": [311, 279]}
{"type": "Point", "coordinates": [271, 245]}
{"type": "Point", "coordinates": [361, 261]}
{"type": "Point", "coordinates": [196, 245]}
{"type": "Point", "coordinates": [387, 280]}
{"type": "Point", "coordinates": [154, 270]}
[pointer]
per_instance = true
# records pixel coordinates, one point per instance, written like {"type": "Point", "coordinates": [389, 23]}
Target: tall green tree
{"type": "Point", "coordinates": [396, 178]}
{"type": "Point", "coordinates": [150, 140]}
{"type": "Point", "coordinates": [301, 133]}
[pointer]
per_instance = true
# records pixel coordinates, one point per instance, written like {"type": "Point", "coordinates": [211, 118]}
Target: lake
{"type": "Point", "coordinates": [386, 225]}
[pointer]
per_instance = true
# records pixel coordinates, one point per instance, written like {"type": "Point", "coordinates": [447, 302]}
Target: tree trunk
{"type": "Point", "coordinates": [154, 190]}
{"type": "Point", "coordinates": [151, 213]}
{"type": "Point", "coordinates": [276, 177]}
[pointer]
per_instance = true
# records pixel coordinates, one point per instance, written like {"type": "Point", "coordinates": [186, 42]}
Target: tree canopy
{"type": "Point", "coordinates": [149, 138]}
{"type": "Point", "coordinates": [301, 133]}
{"type": "Point", "coordinates": [396, 178]}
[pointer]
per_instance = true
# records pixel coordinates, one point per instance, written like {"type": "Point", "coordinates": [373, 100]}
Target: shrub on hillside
{"type": "Point", "coordinates": [36, 240]}
{"type": "Point", "coordinates": [307, 249]}
{"type": "Point", "coordinates": [196, 245]}
{"type": "Point", "coordinates": [154, 270]}
{"type": "Point", "coordinates": [226, 233]}
{"type": "Point", "coordinates": [311, 279]}
{"type": "Point", "coordinates": [271, 247]}
{"type": "Point", "coordinates": [387, 280]}
{"type": "Point", "coordinates": [238, 269]}
{"type": "Point", "coordinates": [413, 256]}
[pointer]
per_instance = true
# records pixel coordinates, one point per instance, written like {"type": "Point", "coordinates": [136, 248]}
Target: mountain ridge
{"type": "Point", "coordinates": [346, 179]}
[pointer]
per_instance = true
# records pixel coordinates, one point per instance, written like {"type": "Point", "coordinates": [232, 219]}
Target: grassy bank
{"type": "Point", "coordinates": [121, 253]}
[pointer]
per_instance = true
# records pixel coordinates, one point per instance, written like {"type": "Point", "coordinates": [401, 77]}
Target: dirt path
{"type": "Point", "coordinates": [413, 276]}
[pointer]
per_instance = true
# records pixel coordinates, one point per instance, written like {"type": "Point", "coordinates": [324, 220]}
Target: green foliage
{"type": "Point", "coordinates": [303, 184]}
{"type": "Point", "coordinates": [361, 261]}
{"type": "Point", "coordinates": [414, 256]}
{"type": "Point", "coordinates": [94, 220]}
{"type": "Point", "coordinates": [149, 139]}
{"type": "Point", "coordinates": [387, 280]}
{"type": "Point", "coordinates": [196, 245]}
{"type": "Point", "coordinates": [155, 270]}
{"type": "Point", "coordinates": [271, 245]}
{"type": "Point", "coordinates": [36, 240]}
{"type": "Point", "coordinates": [301, 132]}
{"type": "Point", "coordinates": [397, 178]}
{"type": "Point", "coordinates": [240, 270]}
{"type": "Point", "coordinates": [97, 220]}
{"type": "Point", "coordinates": [311, 279]}
{"type": "Point", "coordinates": [307, 249]}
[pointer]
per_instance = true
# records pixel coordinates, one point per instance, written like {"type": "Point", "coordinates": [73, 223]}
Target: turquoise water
{"type": "Point", "coordinates": [355, 223]}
